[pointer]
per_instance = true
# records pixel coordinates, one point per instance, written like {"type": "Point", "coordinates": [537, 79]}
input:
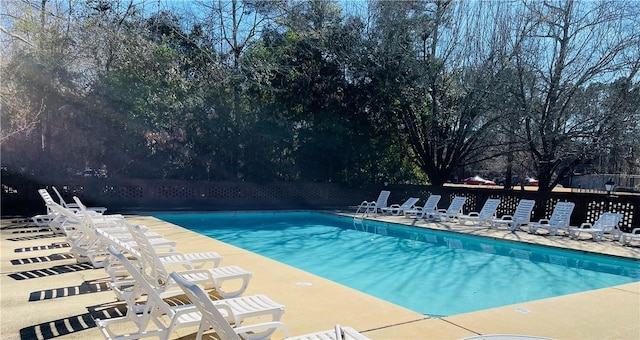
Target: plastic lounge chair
{"type": "Point", "coordinates": [188, 260]}
{"type": "Point", "coordinates": [119, 274]}
{"type": "Point", "coordinates": [627, 238]}
{"type": "Point", "coordinates": [158, 319]}
{"type": "Point", "coordinates": [607, 223]}
{"type": "Point", "coordinates": [213, 319]}
{"type": "Point", "coordinates": [155, 270]}
{"type": "Point", "coordinates": [560, 219]}
{"type": "Point", "coordinates": [86, 244]}
{"type": "Point", "coordinates": [376, 206]}
{"type": "Point", "coordinates": [45, 220]}
{"type": "Point", "coordinates": [454, 210]}
{"type": "Point", "coordinates": [116, 224]}
{"type": "Point", "coordinates": [399, 209]}
{"type": "Point", "coordinates": [73, 206]}
{"type": "Point", "coordinates": [521, 217]}
{"type": "Point", "coordinates": [428, 211]}
{"type": "Point", "coordinates": [485, 216]}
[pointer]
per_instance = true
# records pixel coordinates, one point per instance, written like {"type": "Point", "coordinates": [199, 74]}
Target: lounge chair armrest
{"type": "Point", "coordinates": [506, 218]}
{"type": "Point", "coordinates": [635, 231]}
{"type": "Point", "coordinates": [262, 326]}
{"type": "Point", "coordinates": [543, 221]}
{"type": "Point", "coordinates": [585, 225]}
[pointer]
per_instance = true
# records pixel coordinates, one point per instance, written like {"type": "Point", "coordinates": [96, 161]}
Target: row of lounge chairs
{"type": "Point", "coordinates": [559, 220]}
{"type": "Point", "coordinates": [146, 271]}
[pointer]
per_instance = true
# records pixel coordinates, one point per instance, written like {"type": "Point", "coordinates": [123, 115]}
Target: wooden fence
{"type": "Point", "coordinates": [20, 197]}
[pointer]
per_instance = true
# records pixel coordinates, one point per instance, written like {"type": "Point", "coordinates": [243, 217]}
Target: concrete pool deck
{"type": "Point", "coordinates": [44, 294]}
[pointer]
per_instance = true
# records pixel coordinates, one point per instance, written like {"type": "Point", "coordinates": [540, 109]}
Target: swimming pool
{"type": "Point", "coordinates": [433, 272]}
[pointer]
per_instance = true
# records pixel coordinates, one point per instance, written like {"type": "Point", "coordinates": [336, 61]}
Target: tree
{"type": "Point", "coordinates": [440, 67]}
{"type": "Point", "coordinates": [571, 46]}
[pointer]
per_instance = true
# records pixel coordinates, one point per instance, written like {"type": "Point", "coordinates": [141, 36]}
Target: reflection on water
{"type": "Point", "coordinates": [517, 250]}
{"type": "Point", "coordinates": [430, 271]}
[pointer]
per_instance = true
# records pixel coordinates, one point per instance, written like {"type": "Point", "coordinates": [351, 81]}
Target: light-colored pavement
{"type": "Point", "coordinates": [44, 294]}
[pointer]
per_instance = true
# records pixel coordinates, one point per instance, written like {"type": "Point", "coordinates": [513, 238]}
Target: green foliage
{"type": "Point", "coordinates": [297, 91]}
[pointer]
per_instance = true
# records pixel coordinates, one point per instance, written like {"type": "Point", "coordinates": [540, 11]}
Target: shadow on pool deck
{"type": "Point", "coordinates": [45, 294]}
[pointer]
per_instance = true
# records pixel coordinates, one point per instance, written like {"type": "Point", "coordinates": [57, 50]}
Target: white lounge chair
{"type": "Point", "coordinates": [454, 210]}
{"type": "Point", "coordinates": [213, 319]}
{"type": "Point", "coordinates": [157, 272]}
{"type": "Point", "coordinates": [486, 214]}
{"type": "Point", "coordinates": [627, 238]}
{"type": "Point", "coordinates": [48, 219]}
{"type": "Point", "coordinates": [374, 207]}
{"type": "Point", "coordinates": [607, 223]}
{"type": "Point", "coordinates": [74, 206]}
{"type": "Point", "coordinates": [428, 211]}
{"type": "Point", "coordinates": [155, 318]}
{"type": "Point", "coordinates": [560, 219]}
{"type": "Point", "coordinates": [128, 244]}
{"type": "Point", "coordinates": [521, 217]}
{"type": "Point", "coordinates": [86, 244]}
{"type": "Point", "coordinates": [172, 258]}
{"type": "Point", "coordinates": [399, 209]}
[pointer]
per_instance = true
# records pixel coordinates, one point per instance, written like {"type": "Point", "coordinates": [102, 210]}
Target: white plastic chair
{"type": "Point", "coordinates": [521, 217]}
{"type": "Point", "coordinates": [454, 210]}
{"type": "Point", "coordinates": [486, 214]}
{"type": "Point", "coordinates": [428, 211]}
{"type": "Point", "coordinates": [607, 223]}
{"type": "Point", "coordinates": [399, 209]}
{"type": "Point", "coordinates": [560, 219]}
{"type": "Point", "coordinates": [158, 319]}
{"type": "Point", "coordinates": [374, 207]}
{"type": "Point", "coordinates": [213, 319]}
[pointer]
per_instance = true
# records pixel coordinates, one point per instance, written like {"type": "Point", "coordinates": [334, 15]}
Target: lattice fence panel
{"type": "Point", "coordinates": [172, 191]}
{"type": "Point", "coordinates": [123, 192]}
{"type": "Point", "coordinates": [266, 192]}
{"type": "Point", "coordinates": [225, 192]}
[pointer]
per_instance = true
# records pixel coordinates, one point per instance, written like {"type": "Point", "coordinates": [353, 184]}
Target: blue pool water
{"type": "Point", "coordinates": [432, 272]}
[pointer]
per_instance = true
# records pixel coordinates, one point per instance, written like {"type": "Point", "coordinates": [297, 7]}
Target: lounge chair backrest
{"type": "Point", "coordinates": [85, 214]}
{"type": "Point", "coordinates": [155, 306]}
{"type": "Point", "coordinates": [431, 204]}
{"type": "Point", "coordinates": [81, 205]}
{"type": "Point", "coordinates": [64, 217]}
{"type": "Point", "coordinates": [62, 202]}
{"type": "Point", "coordinates": [152, 268]}
{"type": "Point", "coordinates": [430, 207]}
{"type": "Point", "coordinates": [561, 215]}
{"type": "Point", "coordinates": [456, 205]}
{"type": "Point", "coordinates": [607, 221]}
{"type": "Point", "coordinates": [381, 202]}
{"type": "Point", "coordinates": [46, 196]}
{"type": "Point", "coordinates": [489, 209]}
{"type": "Point", "coordinates": [523, 211]}
{"type": "Point", "coordinates": [211, 316]}
{"type": "Point", "coordinates": [408, 204]}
